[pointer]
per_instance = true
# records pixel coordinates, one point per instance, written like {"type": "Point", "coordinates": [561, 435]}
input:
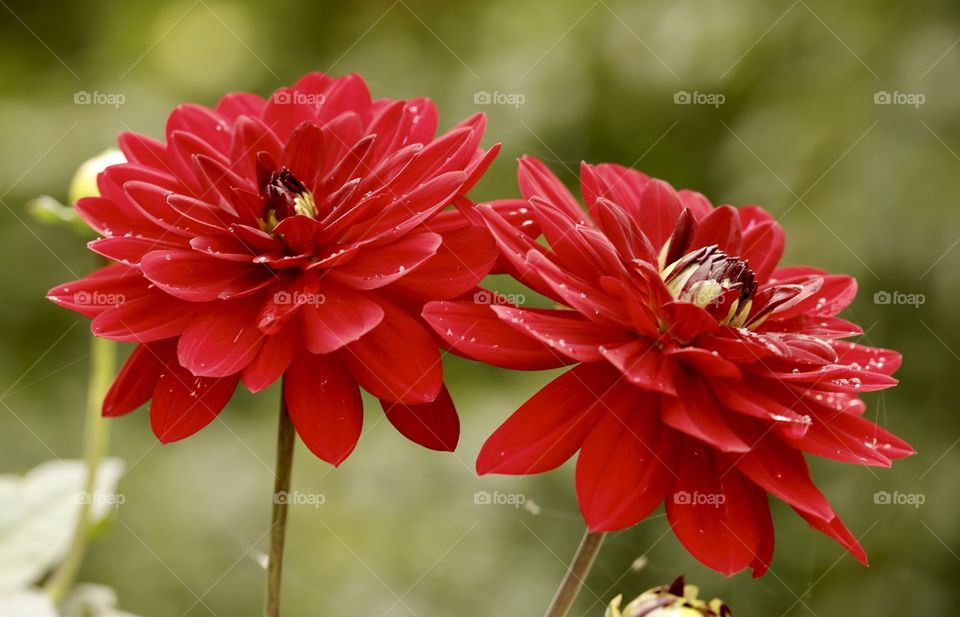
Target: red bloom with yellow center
{"type": "Point", "coordinates": [296, 236]}
{"type": "Point", "coordinates": [703, 372]}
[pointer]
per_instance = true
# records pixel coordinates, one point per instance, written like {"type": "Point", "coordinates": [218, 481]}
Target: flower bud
{"type": "Point", "coordinates": [84, 183]}
{"type": "Point", "coordinates": [49, 211]}
{"type": "Point", "coordinates": [674, 600]}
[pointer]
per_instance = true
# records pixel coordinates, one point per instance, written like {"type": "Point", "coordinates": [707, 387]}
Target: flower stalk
{"type": "Point", "coordinates": [103, 359]}
{"type": "Point", "coordinates": [576, 574]}
{"type": "Point", "coordinates": [278, 522]}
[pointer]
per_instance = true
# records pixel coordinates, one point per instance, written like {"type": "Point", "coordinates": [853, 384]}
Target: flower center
{"type": "Point", "coordinates": [283, 194]}
{"type": "Point", "coordinates": [708, 277]}
{"type": "Point", "coordinates": [286, 196]}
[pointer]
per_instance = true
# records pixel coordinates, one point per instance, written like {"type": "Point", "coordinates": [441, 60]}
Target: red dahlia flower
{"type": "Point", "coordinates": [296, 236]}
{"type": "Point", "coordinates": [703, 371]}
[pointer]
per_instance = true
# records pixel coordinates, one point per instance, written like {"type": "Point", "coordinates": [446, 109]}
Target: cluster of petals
{"type": "Point", "coordinates": [702, 371]}
{"type": "Point", "coordinates": [296, 236]}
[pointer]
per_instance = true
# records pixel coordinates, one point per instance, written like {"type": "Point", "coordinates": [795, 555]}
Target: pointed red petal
{"type": "Point", "coordinates": [835, 529]}
{"type": "Point", "coordinates": [379, 266]}
{"type": "Point", "coordinates": [183, 404]}
{"type": "Point", "coordinates": [338, 315]}
{"type": "Point", "coordinates": [137, 380]}
{"type": "Point", "coordinates": [720, 517]}
{"type": "Point", "coordinates": [324, 404]}
{"type": "Point", "coordinates": [624, 469]}
{"type": "Point", "coordinates": [433, 425]}
{"type": "Point", "coordinates": [474, 331]}
{"type": "Point", "coordinates": [551, 426]}
{"type": "Point", "coordinates": [223, 339]}
{"type": "Point", "coordinates": [397, 361]}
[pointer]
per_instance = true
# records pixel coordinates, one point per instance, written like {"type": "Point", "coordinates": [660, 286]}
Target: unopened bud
{"type": "Point", "coordinates": [674, 600]}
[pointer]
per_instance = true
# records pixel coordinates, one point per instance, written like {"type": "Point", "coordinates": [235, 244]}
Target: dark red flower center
{"type": "Point", "coordinates": [283, 194]}
{"type": "Point", "coordinates": [723, 285]}
{"type": "Point", "coordinates": [714, 281]}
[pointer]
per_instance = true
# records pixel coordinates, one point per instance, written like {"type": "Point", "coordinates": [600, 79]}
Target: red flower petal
{"type": "Point", "coordinates": [848, 438]}
{"type": "Point", "coordinates": [382, 265]}
{"type": "Point", "coordinates": [783, 473]}
{"type": "Point", "coordinates": [659, 210]}
{"type": "Point", "coordinates": [272, 360]}
{"type": "Point", "coordinates": [474, 331]}
{"type": "Point", "coordinates": [149, 317]}
{"type": "Point", "coordinates": [686, 321]}
{"type": "Point", "coordinates": [835, 294]}
{"type": "Point", "coordinates": [397, 361]}
{"type": "Point", "coordinates": [696, 413]}
{"type": "Point", "coordinates": [97, 292]}
{"type": "Point", "coordinates": [565, 331]}
{"type": "Point", "coordinates": [433, 425]}
{"type": "Point", "coordinates": [183, 403]}
{"type": "Point", "coordinates": [338, 316]}
{"type": "Point", "coordinates": [191, 275]}
{"type": "Point", "coordinates": [624, 469]}
{"type": "Point", "coordinates": [592, 303]}
{"type": "Point", "coordinates": [324, 404]}
{"type": "Point", "coordinates": [536, 180]}
{"type": "Point", "coordinates": [721, 227]}
{"type": "Point", "coordinates": [763, 241]}
{"type": "Point", "coordinates": [835, 529]}
{"type": "Point", "coordinates": [707, 363]}
{"type": "Point", "coordinates": [621, 185]}
{"type": "Point", "coordinates": [552, 425]}
{"type": "Point", "coordinates": [137, 380]}
{"type": "Point", "coordinates": [464, 258]}
{"type": "Point", "coordinates": [721, 518]}
{"type": "Point", "coordinates": [127, 250]}
{"type": "Point", "coordinates": [644, 365]}
{"type": "Point", "coordinates": [873, 359]}
{"type": "Point", "coordinates": [221, 340]}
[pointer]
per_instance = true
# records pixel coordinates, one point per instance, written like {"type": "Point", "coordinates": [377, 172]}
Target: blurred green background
{"type": "Point", "coordinates": [861, 187]}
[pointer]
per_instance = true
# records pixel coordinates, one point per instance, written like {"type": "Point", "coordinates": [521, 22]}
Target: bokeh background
{"type": "Point", "coordinates": [840, 118]}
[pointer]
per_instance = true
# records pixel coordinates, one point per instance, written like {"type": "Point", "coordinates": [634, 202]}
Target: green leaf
{"type": "Point", "coordinates": [38, 515]}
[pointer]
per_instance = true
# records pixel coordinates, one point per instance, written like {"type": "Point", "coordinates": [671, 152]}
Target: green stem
{"type": "Point", "coordinates": [278, 528]}
{"type": "Point", "coordinates": [103, 359]}
{"type": "Point", "coordinates": [576, 574]}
